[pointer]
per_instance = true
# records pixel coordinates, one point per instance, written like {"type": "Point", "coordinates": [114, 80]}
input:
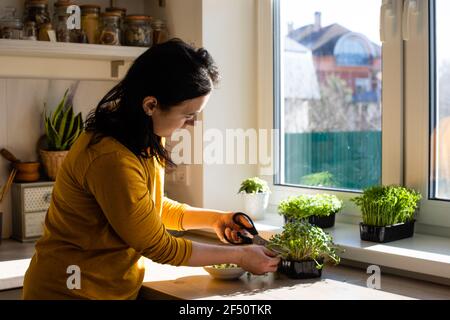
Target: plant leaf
{"type": "Point", "coordinates": [52, 135]}
{"type": "Point", "coordinates": [59, 110]}
{"type": "Point", "coordinates": [68, 127]}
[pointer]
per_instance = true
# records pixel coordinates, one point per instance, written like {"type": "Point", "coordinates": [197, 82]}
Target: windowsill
{"type": "Point", "coordinates": [422, 256]}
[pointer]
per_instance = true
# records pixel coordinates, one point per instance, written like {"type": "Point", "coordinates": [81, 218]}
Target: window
{"type": "Point", "coordinates": [330, 94]}
{"type": "Point", "coordinates": [362, 97]}
{"type": "Point", "coordinates": [440, 91]}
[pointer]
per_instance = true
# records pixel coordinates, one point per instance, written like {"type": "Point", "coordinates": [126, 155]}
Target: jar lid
{"type": "Point", "coordinates": [111, 14]}
{"type": "Point", "coordinates": [90, 6]}
{"type": "Point", "coordinates": [158, 23]}
{"type": "Point", "coordinates": [63, 3]}
{"type": "Point", "coordinates": [116, 9]}
{"type": "Point", "coordinates": [36, 3]}
{"type": "Point", "coordinates": [138, 18]}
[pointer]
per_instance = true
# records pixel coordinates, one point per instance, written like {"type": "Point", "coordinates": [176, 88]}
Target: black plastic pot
{"type": "Point", "coordinates": [387, 233]}
{"type": "Point", "coordinates": [300, 269]}
{"type": "Point", "coordinates": [319, 221]}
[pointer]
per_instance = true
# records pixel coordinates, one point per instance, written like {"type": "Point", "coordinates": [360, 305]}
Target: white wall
{"type": "Point", "coordinates": [184, 21]}
{"type": "Point", "coordinates": [227, 29]}
{"type": "Point", "coordinates": [229, 34]}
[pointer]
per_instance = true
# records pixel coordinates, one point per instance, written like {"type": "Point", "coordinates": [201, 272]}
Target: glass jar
{"type": "Point", "coordinates": [123, 14]}
{"type": "Point", "coordinates": [110, 30]}
{"type": "Point", "coordinates": [10, 26]}
{"type": "Point", "coordinates": [138, 31]}
{"type": "Point", "coordinates": [44, 30]}
{"type": "Point", "coordinates": [63, 34]}
{"type": "Point", "coordinates": [160, 32]}
{"type": "Point", "coordinates": [122, 11]}
{"type": "Point", "coordinates": [37, 11]}
{"type": "Point", "coordinates": [90, 22]}
{"type": "Point", "coordinates": [29, 31]}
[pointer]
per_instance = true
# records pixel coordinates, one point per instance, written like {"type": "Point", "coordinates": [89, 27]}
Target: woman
{"type": "Point", "coordinates": [108, 209]}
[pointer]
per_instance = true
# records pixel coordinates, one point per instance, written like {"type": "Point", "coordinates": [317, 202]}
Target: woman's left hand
{"type": "Point", "coordinates": [224, 225]}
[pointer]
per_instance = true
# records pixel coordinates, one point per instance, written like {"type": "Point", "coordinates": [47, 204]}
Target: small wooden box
{"type": "Point", "coordinates": [30, 202]}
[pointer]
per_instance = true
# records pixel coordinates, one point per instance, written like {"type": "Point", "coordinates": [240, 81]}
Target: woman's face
{"type": "Point", "coordinates": [180, 116]}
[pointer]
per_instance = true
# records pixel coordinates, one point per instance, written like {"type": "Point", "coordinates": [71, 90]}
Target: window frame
{"type": "Point", "coordinates": [392, 174]}
{"type": "Point", "coordinates": [402, 163]}
{"type": "Point", "coordinates": [434, 216]}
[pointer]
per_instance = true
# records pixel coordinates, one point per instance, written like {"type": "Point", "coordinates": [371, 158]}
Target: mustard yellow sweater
{"type": "Point", "coordinates": [107, 211]}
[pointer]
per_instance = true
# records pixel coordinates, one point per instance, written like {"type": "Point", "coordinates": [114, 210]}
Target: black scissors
{"type": "Point", "coordinates": [249, 226]}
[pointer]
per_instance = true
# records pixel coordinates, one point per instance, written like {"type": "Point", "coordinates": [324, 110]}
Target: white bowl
{"type": "Point", "coordinates": [225, 273]}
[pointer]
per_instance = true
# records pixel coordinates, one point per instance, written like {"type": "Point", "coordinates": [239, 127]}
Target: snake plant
{"type": "Point", "coordinates": [62, 127]}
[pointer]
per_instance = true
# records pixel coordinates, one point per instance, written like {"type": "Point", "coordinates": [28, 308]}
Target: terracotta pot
{"type": "Point", "coordinates": [27, 171]}
{"type": "Point", "coordinates": [52, 161]}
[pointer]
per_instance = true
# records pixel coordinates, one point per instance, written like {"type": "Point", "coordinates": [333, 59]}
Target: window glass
{"type": "Point", "coordinates": [441, 92]}
{"type": "Point", "coordinates": [330, 85]}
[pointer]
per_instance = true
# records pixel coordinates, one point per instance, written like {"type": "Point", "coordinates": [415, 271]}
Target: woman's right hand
{"type": "Point", "coordinates": [258, 259]}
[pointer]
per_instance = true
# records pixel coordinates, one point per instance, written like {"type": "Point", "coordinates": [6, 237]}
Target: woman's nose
{"type": "Point", "coordinates": [191, 122]}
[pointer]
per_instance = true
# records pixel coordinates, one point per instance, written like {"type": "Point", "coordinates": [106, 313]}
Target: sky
{"type": "Point", "coordinates": [443, 27]}
{"type": "Point", "coordinates": [361, 16]}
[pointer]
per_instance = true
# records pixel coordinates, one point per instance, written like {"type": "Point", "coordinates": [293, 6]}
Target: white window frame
{"type": "Point", "coordinates": [403, 162]}
{"type": "Point", "coordinates": [434, 214]}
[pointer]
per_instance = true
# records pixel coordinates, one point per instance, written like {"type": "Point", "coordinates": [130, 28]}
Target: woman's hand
{"type": "Point", "coordinates": [225, 226]}
{"type": "Point", "coordinates": [252, 258]}
{"type": "Point", "coordinates": [258, 259]}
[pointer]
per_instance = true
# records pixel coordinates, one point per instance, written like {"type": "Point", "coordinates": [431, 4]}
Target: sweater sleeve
{"type": "Point", "coordinates": [118, 183]}
{"type": "Point", "coordinates": [172, 214]}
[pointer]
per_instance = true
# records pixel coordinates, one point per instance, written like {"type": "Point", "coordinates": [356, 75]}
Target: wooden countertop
{"type": "Point", "coordinates": [337, 283]}
{"type": "Point", "coordinates": [165, 281]}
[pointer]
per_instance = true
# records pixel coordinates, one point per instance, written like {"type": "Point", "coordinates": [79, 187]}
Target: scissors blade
{"type": "Point", "coordinates": [263, 242]}
{"type": "Point", "coordinates": [259, 240]}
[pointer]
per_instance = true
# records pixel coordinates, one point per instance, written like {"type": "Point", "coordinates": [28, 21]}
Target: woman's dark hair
{"type": "Point", "coordinates": [172, 72]}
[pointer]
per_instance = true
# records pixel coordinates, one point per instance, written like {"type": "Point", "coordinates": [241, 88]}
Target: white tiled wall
{"type": "Point", "coordinates": [21, 107]}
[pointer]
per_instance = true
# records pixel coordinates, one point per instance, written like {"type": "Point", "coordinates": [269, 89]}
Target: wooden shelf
{"type": "Point", "coordinates": [44, 49]}
{"type": "Point", "coordinates": [56, 60]}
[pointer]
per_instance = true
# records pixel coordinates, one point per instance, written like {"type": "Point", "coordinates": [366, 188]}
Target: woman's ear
{"type": "Point", "coordinates": [149, 105]}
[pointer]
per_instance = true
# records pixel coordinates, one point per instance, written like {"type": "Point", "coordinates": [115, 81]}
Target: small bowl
{"type": "Point", "coordinates": [229, 273]}
{"type": "Point", "coordinates": [27, 171]}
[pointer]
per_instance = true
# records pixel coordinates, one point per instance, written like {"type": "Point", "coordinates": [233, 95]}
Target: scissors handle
{"type": "Point", "coordinates": [251, 229]}
{"type": "Point", "coordinates": [238, 221]}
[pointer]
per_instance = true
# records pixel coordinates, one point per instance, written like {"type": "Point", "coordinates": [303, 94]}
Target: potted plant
{"type": "Point", "coordinates": [306, 248]}
{"type": "Point", "coordinates": [256, 197]}
{"type": "Point", "coordinates": [387, 213]}
{"type": "Point", "coordinates": [62, 128]}
{"type": "Point", "coordinates": [319, 209]}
